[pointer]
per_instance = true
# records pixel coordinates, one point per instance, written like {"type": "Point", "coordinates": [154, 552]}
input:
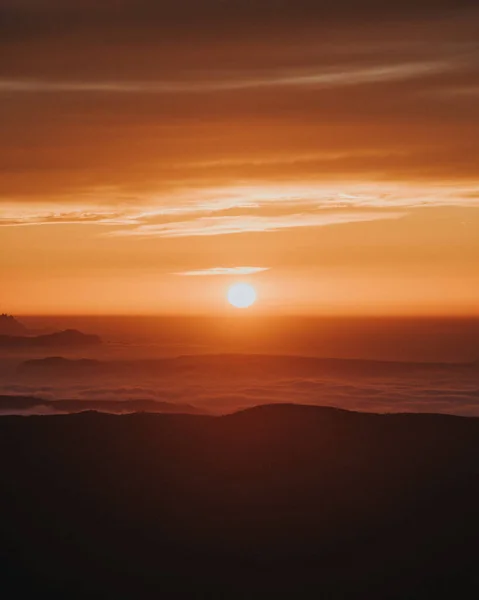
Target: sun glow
{"type": "Point", "coordinates": [241, 295]}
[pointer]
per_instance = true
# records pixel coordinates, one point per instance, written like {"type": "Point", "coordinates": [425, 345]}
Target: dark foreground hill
{"type": "Point", "coordinates": [278, 501]}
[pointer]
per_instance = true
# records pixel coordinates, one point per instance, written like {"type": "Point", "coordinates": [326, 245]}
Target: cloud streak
{"type": "Point", "coordinates": [98, 217]}
{"type": "Point", "coordinates": [215, 271]}
{"type": "Point", "coordinates": [211, 226]}
{"type": "Point", "coordinates": [325, 79]}
{"type": "Point", "coordinates": [246, 209]}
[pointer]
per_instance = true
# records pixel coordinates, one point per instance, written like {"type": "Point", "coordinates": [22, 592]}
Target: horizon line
{"type": "Point", "coordinates": [244, 315]}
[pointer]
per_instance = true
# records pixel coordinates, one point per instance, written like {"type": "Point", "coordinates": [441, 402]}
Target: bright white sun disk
{"type": "Point", "coordinates": [241, 295]}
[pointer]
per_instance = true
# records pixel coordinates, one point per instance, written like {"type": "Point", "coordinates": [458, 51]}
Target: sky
{"type": "Point", "coordinates": [153, 153]}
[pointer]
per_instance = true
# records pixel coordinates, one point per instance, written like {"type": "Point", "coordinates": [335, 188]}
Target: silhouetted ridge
{"type": "Point", "coordinates": [31, 404]}
{"type": "Point", "coordinates": [10, 326]}
{"type": "Point", "coordinates": [276, 501]}
{"type": "Point", "coordinates": [59, 363]}
{"type": "Point", "coordinates": [261, 364]}
{"type": "Point", "coordinates": [68, 338]}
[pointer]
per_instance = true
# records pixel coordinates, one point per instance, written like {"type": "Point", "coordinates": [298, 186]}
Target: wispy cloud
{"type": "Point", "coordinates": [243, 209]}
{"type": "Point", "coordinates": [206, 226]}
{"type": "Point", "coordinates": [69, 218]}
{"type": "Point", "coordinates": [324, 78]}
{"type": "Point", "coordinates": [223, 271]}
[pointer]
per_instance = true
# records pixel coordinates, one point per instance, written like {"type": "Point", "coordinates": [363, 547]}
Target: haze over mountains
{"type": "Point", "coordinates": [221, 384]}
{"type": "Point", "coordinates": [393, 339]}
{"type": "Point", "coordinates": [68, 338]}
{"type": "Point", "coordinates": [145, 370]}
{"type": "Point", "coordinates": [13, 335]}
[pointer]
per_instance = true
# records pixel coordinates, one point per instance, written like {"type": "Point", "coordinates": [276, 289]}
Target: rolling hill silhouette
{"type": "Point", "coordinates": [276, 501]}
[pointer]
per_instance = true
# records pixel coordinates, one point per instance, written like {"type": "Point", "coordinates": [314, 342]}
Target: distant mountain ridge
{"type": "Point", "coordinates": [10, 326]}
{"type": "Point", "coordinates": [69, 337]}
{"type": "Point", "coordinates": [59, 363]}
{"type": "Point", "coordinates": [262, 364]}
{"type": "Point", "coordinates": [24, 404]}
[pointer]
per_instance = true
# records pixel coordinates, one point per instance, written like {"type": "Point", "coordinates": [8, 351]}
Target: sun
{"type": "Point", "coordinates": [241, 295]}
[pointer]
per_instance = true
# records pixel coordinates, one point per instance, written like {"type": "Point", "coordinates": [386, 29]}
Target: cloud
{"type": "Point", "coordinates": [248, 208]}
{"type": "Point", "coordinates": [98, 217]}
{"type": "Point", "coordinates": [213, 271]}
{"type": "Point", "coordinates": [145, 102]}
{"type": "Point", "coordinates": [207, 226]}
{"type": "Point", "coordinates": [333, 78]}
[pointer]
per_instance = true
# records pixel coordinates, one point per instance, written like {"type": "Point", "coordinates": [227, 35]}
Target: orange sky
{"type": "Point", "coordinates": [332, 152]}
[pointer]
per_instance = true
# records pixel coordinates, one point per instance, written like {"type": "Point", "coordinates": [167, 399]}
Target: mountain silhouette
{"type": "Point", "coordinates": [261, 365]}
{"type": "Point", "coordinates": [21, 404]}
{"type": "Point", "coordinates": [10, 326]}
{"type": "Point", "coordinates": [276, 501]}
{"type": "Point", "coordinates": [68, 338]}
{"type": "Point", "coordinates": [60, 365]}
